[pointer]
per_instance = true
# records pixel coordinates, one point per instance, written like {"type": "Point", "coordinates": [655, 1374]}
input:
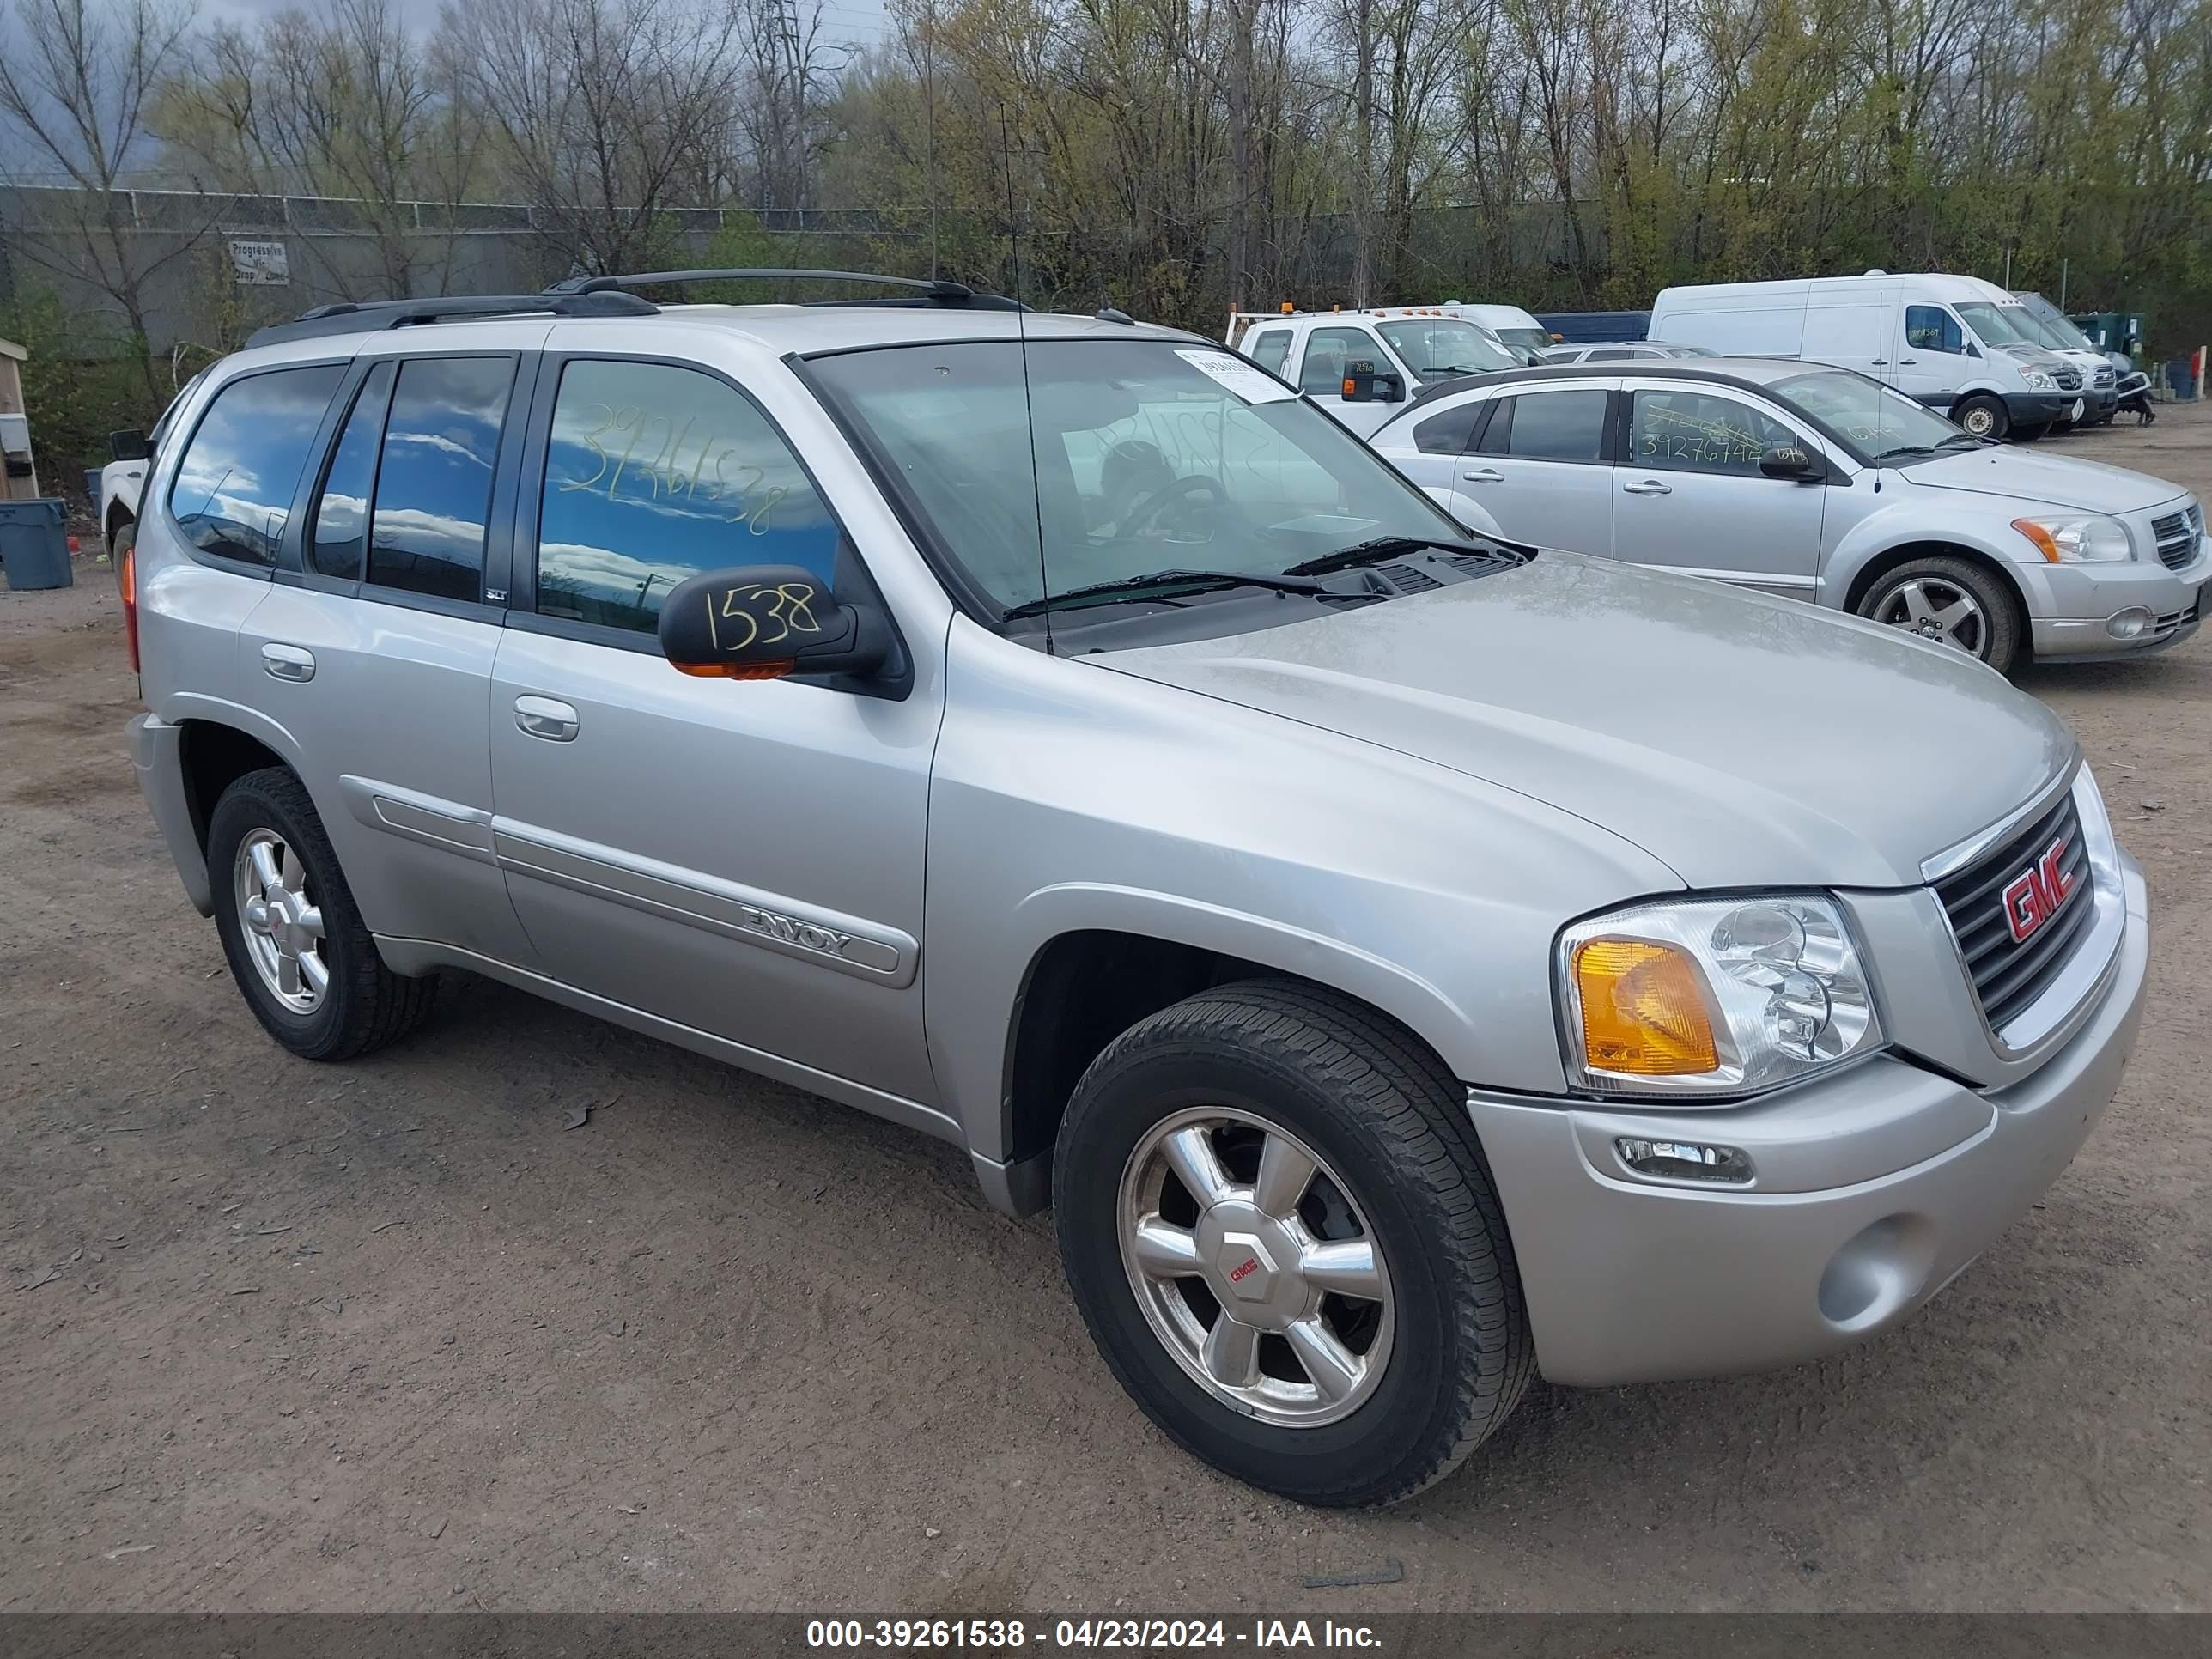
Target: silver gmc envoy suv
{"type": "Point", "coordinates": [1407, 963]}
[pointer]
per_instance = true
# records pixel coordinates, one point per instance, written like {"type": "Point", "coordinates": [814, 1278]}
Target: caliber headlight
{"type": "Point", "coordinates": [2078, 538]}
{"type": "Point", "coordinates": [1712, 996]}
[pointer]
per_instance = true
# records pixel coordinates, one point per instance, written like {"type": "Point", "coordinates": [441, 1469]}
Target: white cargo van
{"type": "Point", "coordinates": [1960, 345]}
{"type": "Point", "coordinates": [1515, 328]}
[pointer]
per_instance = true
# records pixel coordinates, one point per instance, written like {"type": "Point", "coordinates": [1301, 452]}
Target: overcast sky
{"type": "Point", "coordinates": [861, 20]}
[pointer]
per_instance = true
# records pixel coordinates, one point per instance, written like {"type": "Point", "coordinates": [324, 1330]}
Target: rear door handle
{"type": "Point", "coordinates": [1484, 475]}
{"type": "Point", "coordinates": [1648, 486]}
{"type": "Point", "coordinates": [1908, 363]}
{"type": "Point", "coordinates": [288, 662]}
{"type": "Point", "coordinates": [543, 717]}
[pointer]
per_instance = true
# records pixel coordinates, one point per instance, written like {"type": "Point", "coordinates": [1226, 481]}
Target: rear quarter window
{"type": "Point", "coordinates": [232, 496]}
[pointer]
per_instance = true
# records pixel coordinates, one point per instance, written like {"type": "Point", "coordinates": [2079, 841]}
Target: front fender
{"type": "Point", "coordinates": [1917, 520]}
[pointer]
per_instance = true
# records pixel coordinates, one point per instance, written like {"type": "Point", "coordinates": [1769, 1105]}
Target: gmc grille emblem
{"type": "Point", "coordinates": [2033, 896]}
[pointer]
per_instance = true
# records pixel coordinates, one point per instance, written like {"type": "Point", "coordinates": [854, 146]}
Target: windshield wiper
{"type": "Point", "coordinates": [1171, 582]}
{"type": "Point", "coordinates": [1379, 549]}
{"type": "Point", "coordinates": [1903, 449]}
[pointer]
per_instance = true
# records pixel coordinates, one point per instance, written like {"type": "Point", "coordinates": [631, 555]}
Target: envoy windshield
{"type": "Point", "coordinates": [1152, 458]}
{"type": "Point", "coordinates": [1882, 424]}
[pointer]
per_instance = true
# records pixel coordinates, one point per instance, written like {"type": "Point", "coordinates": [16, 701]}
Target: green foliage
{"type": "Point", "coordinates": [81, 382]}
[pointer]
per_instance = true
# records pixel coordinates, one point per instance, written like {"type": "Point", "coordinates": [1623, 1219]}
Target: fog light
{"type": "Point", "coordinates": [1684, 1160]}
{"type": "Point", "coordinates": [2131, 623]}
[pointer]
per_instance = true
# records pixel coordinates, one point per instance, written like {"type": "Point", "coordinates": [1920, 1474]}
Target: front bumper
{"type": "Point", "coordinates": [2070, 606]}
{"type": "Point", "coordinates": [2039, 408]}
{"type": "Point", "coordinates": [157, 758]}
{"type": "Point", "coordinates": [1874, 1188]}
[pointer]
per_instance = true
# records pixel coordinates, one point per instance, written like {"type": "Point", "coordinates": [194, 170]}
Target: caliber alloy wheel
{"type": "Point", "coordinates": [1254, 1267]}
{"type": "Point", "coordinates": [1932, 609]}
{"type": "Point", "coordinates": [282, 925]}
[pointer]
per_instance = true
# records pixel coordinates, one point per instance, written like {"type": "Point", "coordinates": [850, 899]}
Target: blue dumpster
{"type": "Point", "coordinates": [34, 544]}
{"type": "Point", "coordinates": [2181, 375]}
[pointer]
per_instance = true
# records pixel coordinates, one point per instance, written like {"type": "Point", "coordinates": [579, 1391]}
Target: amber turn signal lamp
{"type": "Point", "coordinates": [736, 670]}
{"type": "Point", "coordinates": [130, 604]}
{"type": "Point", "coordinates": [1642, 1010]}
{"type": "Point", "coordinates": [2045, 543]}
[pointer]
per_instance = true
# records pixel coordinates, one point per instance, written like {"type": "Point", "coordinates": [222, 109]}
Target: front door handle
{"type": "Point", "coordinates": [543, 717]}
{"type": "Point", "coordinates": [1881, 362]}
{"type": "Point", "coordinates": [1648, 486]}
{"type": "Point", "coordinates": [288, 662]}
{"type": "Point", "coordinates": [1484, 475]}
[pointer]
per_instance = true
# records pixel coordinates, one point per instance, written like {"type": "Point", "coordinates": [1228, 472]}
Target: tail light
{"type": "Point", "coordinates": [130, 604]}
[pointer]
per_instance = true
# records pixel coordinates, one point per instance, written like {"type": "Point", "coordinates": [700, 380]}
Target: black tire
{"type": "Point", "coordinates": [1384, 1113]}
{"type": "Point", "coordinates": [366, 1005]}
{"type": "Point", "coordinates": [1983, 415]}
{"type": "Point", "coordinates": [2000, 642]}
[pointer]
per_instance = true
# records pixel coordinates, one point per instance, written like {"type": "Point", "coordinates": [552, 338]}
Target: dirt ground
{"type": "Point", "coordinates": [391, 1335]}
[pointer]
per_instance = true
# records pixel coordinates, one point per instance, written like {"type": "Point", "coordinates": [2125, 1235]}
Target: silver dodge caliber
{"type": "Point", "coordinates": [1407, 964]}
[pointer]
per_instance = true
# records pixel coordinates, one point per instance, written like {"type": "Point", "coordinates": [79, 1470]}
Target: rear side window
{"type": "Point", "coordinates": [233, 486]}
{"type": "Point", "coordinates": [656, 473]}
{"type": "Point", "coordinates": [1550, 426]}
{"type": "Point", "coordinates": [1447, 432]}
{"type": "Point", "coordinates": [434, 481]}
{"type": "Point", "coordinates": [1271, 350]}
{"type": "Point", "coordinates": [341, 532]}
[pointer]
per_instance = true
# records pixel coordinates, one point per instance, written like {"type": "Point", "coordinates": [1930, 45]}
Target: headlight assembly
{"type": "Point", "coordinates": [2039, 380]}
{"type": "Point", "coordinates": [2077, 538]}
{"type": "Point", "coordinates": [1716, 997]}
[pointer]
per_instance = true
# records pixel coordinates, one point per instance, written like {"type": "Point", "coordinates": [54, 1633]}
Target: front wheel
{"type": "Point", "coordinates": [1287, 1244]}
{"type": "Point", "coordinates": [1948, 601]}
{"type": "Point", "coordinates": [1983, 416]}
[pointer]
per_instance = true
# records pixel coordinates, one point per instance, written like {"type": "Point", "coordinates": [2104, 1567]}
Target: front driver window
{"type": "Point", "coordinates": [1328, 351]}
{"type": "Point", "coordinates": [657, 473]}
{"type": "Point", "coordinates": [1685, 431]}
{"type": "Point", "coordinates": [1931, 328]}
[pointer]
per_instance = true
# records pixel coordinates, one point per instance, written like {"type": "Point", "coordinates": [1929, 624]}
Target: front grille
{"type": "Point", "coordinates": [2104, 381]}
{"type": "Point", "coordinates": [2177, 535]}
{"type": "Point", "coordinates": [2067, 376]}
{"type": "Point", "coordinates": [2007, 977]}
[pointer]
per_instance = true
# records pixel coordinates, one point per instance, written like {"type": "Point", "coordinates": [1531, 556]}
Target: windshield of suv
{"type": "Point", "coordinates": [1150, 455]}
{"type": "Point", "coordinates": [1998, 325]}
{"type": "Point", "coordinates": [1882, 423]}
{"type": "Point", "coordinates": [1437, 348]}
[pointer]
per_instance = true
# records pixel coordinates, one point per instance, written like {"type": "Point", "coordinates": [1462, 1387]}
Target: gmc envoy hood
{"type": "Point", "coordinates": [2054, 480]}
{"type": "Point", "coordinates": [1741, 740]}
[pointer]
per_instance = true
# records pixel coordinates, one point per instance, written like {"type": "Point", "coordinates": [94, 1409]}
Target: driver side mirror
{"type": "Point", "coordinates": [1365, 384]}
{"type": "Point", "coordinates": [1793, 462]}
{"type": "Point", "coordinates": [761, 622]}
{"type": "Point", "coordinates": [128, 447]}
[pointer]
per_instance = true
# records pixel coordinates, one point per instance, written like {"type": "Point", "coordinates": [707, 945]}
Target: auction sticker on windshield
{"type": "Point", "coordinates": [1250, 383]}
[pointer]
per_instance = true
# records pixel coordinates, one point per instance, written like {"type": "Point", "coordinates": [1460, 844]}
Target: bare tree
{"type": "Point", "coordinates": [605, 111]}
{"type": "Point", "coordinates": [77, 88]}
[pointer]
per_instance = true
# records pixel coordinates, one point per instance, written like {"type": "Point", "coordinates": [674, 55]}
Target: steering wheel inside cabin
{"type": "Point", "coordinates": [1146, 510]}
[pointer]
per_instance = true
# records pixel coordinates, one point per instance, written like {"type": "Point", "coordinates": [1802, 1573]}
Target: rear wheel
{"type": "Point", "coordinates": [1284, 1241]}
{"type": "Point", "coordinates": [1982, 415]}
{"type": "Point", "coordinates": [298, 948]}
{"type": "Point", "coordinates": [1948, 601]}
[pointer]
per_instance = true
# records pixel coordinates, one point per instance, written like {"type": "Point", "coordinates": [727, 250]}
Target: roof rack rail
{"type": "Point", "coordinates": [930, 290]}
{"type": "Point", "coordinates": [370, 316]}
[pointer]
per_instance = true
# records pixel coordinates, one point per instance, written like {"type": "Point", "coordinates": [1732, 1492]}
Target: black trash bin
{"type": "Point", "coordinates": [34, 544]}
